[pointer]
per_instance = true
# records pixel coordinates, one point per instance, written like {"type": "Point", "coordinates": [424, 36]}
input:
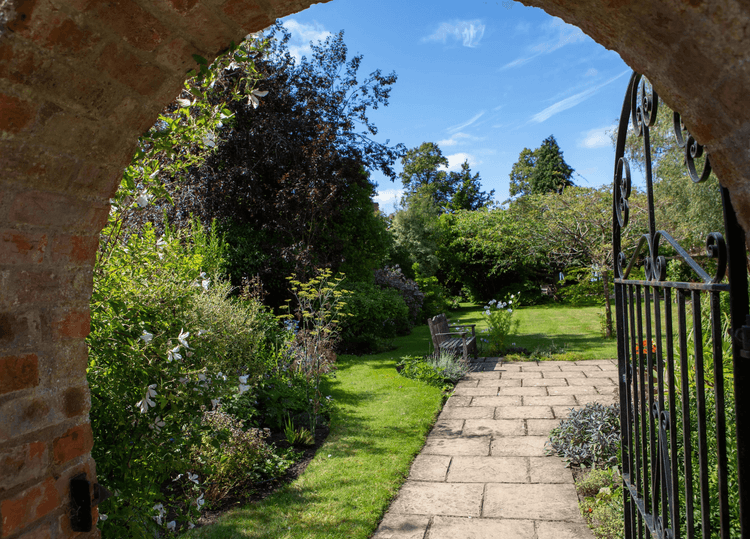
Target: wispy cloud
{"type": "Point", "coordinates": [596, 138]}
{"type": "Point", "coordinates": [457, 138]}
{"type": "Point", "coordinates": [592, 72]}
{"type": "Point", "coordinates": [302, 35]}
{"type": "Point", "coordinates": [459, 127]}
{"type": "Point", "coordinates": [555, 35]}
{"type": "Point", "coordinates": [571, 101]}
{"type": "Point", "coordinates": [468, 33]}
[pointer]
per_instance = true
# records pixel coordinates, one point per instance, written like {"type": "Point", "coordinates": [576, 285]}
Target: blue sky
{"type": "Point", "coordinates": [481, 79]}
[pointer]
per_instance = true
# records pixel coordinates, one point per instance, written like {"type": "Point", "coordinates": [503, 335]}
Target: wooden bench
{"type": "Point", "coordinates": [454, 339]}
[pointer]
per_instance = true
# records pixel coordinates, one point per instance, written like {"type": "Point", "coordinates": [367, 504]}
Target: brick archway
{"type": "Point", "coordinates": [80, 80]}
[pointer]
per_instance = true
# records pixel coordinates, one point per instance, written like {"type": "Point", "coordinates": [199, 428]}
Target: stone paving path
{"type": "Point", "coordinates": [483, 472]}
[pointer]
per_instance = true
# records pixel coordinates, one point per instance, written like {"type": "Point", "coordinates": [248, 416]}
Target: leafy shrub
{"type": "Point", "coordinates": [436, 299]}
{"type": "Point", "coordinates": [392, 277]}
{"type": "Point", "coordinates": [443, 370]}
{"type": "Point", "coordinates": [590, 436]}
{"type": "Point", "coordinates": [602, 505]}
{"type": "Point", "coordinates": [234, 458]}
{"type": "Point", "coordinates": [500, 325]}
{"type": "Point", "coordinates": [373, 317]}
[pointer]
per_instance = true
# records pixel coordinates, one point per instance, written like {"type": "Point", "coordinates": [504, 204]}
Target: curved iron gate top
{"type": "Point", "coordinates": [685, 418]}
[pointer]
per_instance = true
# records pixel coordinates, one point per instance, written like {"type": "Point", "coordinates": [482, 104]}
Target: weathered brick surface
{"type": "Point", "coordinates": [74, 443]}
{"type": "Point", "coordinates": [18, 372]}
{"type": "Point", "coordinates": [23, 463]}
{"type": "Point", "coordinates": [28, 506]}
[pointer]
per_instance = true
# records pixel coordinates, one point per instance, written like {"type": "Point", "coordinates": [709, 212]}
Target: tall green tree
{"type": "Point", "coordinates": [540, 171]}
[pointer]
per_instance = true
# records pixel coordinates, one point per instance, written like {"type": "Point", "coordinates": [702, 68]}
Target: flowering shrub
{"type": "Point", "coordinates": [392, 277]}
{"type": "Point", "coordinates": [500, 325]}
{"type": "Point", "coordinates": [153, 366]}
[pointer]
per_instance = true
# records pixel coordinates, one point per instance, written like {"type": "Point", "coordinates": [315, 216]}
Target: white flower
{"type": "Point", "coordinates": [161, 512]}
{"type": "Point", "coordinates": [200, 501]}
{"type": "Point", "coordinates": [184, 102]}
{"type": "Point", "coordinates": [160, 243]}
{"type": "Point", "coordinates": [146, 402]}
{"type": "Point", "coordinates": [171, 525]}
{"type": "Point", "coordinates": [143, 198]}
{"type": "Point", "coordinates": [158, 424]}
{"type": "Point", "coordinates": [209, 140]}
{"type": "Point", "coordinates": [183, 338]}
{"type": "Point", "coordinates": [146, 336]}
{"type": "Point", "coordinates": [201, 332]}
{"type": "Point", "coordinates": [191, 525]}
{"type": "Point", "coordinates": [205, 283]}
{"type": "Point", "coordinates": [202, 377]}
{"type": "Point", "coordinates": [215, 402]}
{"type": "Point", "coordinates": [510, 311]}
{"type": "Point", "coordinates": [193, 477]}
{"type": "Point", "coordinates": [102, 517]}
{"type": "Point", "coordinates": [243, 388]}
{"type": "Point", "coordinates": [243, 379]}
{"type": "Point", "coordinates": [253, 100]}
{"type": "Point", "coordinates": [493, 302]}
{"type": "Point", "coordinates": [174, 354]}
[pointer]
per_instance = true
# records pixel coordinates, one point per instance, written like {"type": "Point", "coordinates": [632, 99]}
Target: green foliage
{"type": "Point", "coordinates": [393, 277]}
{"type": "Point", "coordinates": [540, 171]}
{"type": "Point", "coordinates": [415, 233]}
{"type": "Point", "coordinates": [233, 458]}
{"type": "Point", "coordinates": [435, 297]}
{"type": "Point", "coordinates": [602, 504]}
{"type": "Point", "coordinates": [589, 436]}
{"type": "Point", "coordinates": [373, 316]}
{"type": "Point", "coordinates": [498, 315]}
{"type": "Point", "coordinates": [442, 371]}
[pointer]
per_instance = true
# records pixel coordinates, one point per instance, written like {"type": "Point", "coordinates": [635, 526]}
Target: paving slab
{"type": "Point", "coordinates": [536, 501]}
{"type": "Point", "coordinates": [519, 446]}
{"type": "Point", "coordinates": [467, 383]}
{"type": "Point", "coordinates": [562, 412]}
{"type": "Point", "coordinates": [467, 412]}
{"type": "Point", "coordinates": [563, 374]}
{"type": "Point", "coordinates": [495, 401]}
{"type": "Point", "coordinates": [545, 382]}
{"type": "Point", "coordinates": [540, 427]}
{"type": "Point", "coordinates": [447, 428]}
{"type": "Point", "coordinates": [451, 499]}
{"type": "Point", "coordinates": [549, 469]}
{"type": "Point", "coordinates": [484, 528]}
{"type": "Point", "coordinates": [524, 412]}
{"type": "Point", "coordinates": [477, 445]}
{"type": "Point", "coordinates": [484, 469]}
{"type": "Point", "coordinates": [523, 375]}
{"type": "Point", "coordinates": [494, 427]}
{"type": "Point", "coordinates": [395, 526]}
{"type": "Point", "coordinates": [483, 375]}
{"type": "Point", "coordinates": [430, 468]}
{"type": "Point", "coordinates": [524, 391]}
{"type": "Point", "coordinates": [606, 399]}
{"type": "Point", "coordinates": [572, 390]}
{"type": "Point", "coordinates": [563, 530]}
{"type": "Point", "coordinates": [557, 400]}
{"type": "Point", "coordinates": [459, 400]}
{"type": "Point", "coordinates": [475, 391]}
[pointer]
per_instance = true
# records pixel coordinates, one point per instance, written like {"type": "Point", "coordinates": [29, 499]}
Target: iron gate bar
{"type": "Point", "coordinates": [652, 440]}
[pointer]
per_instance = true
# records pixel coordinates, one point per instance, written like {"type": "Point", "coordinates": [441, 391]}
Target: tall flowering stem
{"type": "Point", "coordinates": [319, 303]}
{"type": "Point", "coordinates": [500, 324]}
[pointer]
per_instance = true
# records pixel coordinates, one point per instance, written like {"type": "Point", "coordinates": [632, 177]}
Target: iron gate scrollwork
{"type": "Point", "coordinates": [684, 367]}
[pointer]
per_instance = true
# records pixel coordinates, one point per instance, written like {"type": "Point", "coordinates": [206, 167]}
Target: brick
{"type": "Point", "coordinates": [20, 247]}
{"type": "Point", "coordinates": [15, 114]}
{"type": "Point", "coordinates": [134, 24]}
{"type": "Point", "coordinates": [38, 208]}
{"type": "Point", "coordinates": [40, 532]}
{"type": "Point", "coordinates": [42, 287]}
{"type": "Point", "coordinates": [121, 65]}
{"type": "Point", "coordinates": [20, 329]}
{"type": "Point", "coordinates": [23, 463]}
{"type": "Point", "coordinates": [247, 14]}
{"type": "Point", "coordinates": [76, 401]}
{"type": "Point", "coordinates": [24, 9]}
{"type": "Point", "coordinates": [205, 28]}
{"type": "Point", "coordinates": [18, 372]}
{"type": "Point", "coordinates": [74, 443]}
{"type": "Point", "coordinates": [28, 506]}
{"type": "Point", "coordinates": [73, 324]}
{"type": "Point", "coordinates": [74, 250]}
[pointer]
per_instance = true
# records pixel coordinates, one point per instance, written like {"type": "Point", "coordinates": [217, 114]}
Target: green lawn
{"type": "Point", "coordinates": [574, 328]}
{"type": "Point", "coordinates": [379, 425]}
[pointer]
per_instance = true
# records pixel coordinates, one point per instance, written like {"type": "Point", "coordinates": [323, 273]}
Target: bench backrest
{"type": "Point", "coordinates": [438, 324]}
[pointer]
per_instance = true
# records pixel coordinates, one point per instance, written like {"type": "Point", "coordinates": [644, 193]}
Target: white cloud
{"type": "Point", "coordinates": [459, 127]}
{"type": "Point", "coordinates": [555, 35]}
{"type": "Point", "coordinates": [596, 138]}
{"type": "Point", "coordinates": [571, 101]}
{"type": "Point", "coordinates": [388, 199]}
{"type": "Point", "coordinates": [457, 159]}
{"type": "Point", "coordinates": [302, 35]}
{"type": "Point", "coordinates": [592, 72]}
{"type": "Point", "coordinates": [456, 139]}
{"type": "Point", "coordinates": [469, 33]}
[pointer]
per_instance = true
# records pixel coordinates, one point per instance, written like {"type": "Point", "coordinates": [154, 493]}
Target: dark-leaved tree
{"type": "Point", "coordinates": [289, 180]}
{"type": "Point", "coordinates": [540, 171]}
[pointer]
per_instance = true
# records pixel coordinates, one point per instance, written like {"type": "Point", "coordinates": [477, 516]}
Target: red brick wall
{"type": "Point", "coordinates": [81, 79]}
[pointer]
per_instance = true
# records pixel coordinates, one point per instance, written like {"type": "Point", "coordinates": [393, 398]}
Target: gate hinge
{"type": "Point", "coordinates": [743, 336]}
{"type": "Point", "coordinates": [81, 502]}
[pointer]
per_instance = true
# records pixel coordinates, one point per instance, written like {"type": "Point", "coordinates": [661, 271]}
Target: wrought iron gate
{"type": "Point", "coordinates": [684, 372]}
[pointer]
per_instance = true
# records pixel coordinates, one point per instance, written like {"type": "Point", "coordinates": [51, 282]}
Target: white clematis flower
{"type": "Point", "coordinates": [171, 525]}
{"type": "Point", "coordinates": [200, 501]}
{"type": "Point", "coordinates": [253, 100]}
{"type": "Point", "coordinates": [146, 402]}
{"type": "Point", "coordinates": [174, 353]}
{"type": "Point", "coordinates": [183, 338]}
{"type": "Point", "coordinates": [184, 102]}
{"type": "Point", "coordinates": [143, 198]}
{"type": "Point", "coordinates": [158, 424]}
{"type": "Point", "coordinates": [146, 336]}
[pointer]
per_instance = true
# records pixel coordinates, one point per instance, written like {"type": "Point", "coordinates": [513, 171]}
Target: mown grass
{"type": "Point", "coordinates": [379, 425]}
{"type": "Point", "coordinates": [576, 329]}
